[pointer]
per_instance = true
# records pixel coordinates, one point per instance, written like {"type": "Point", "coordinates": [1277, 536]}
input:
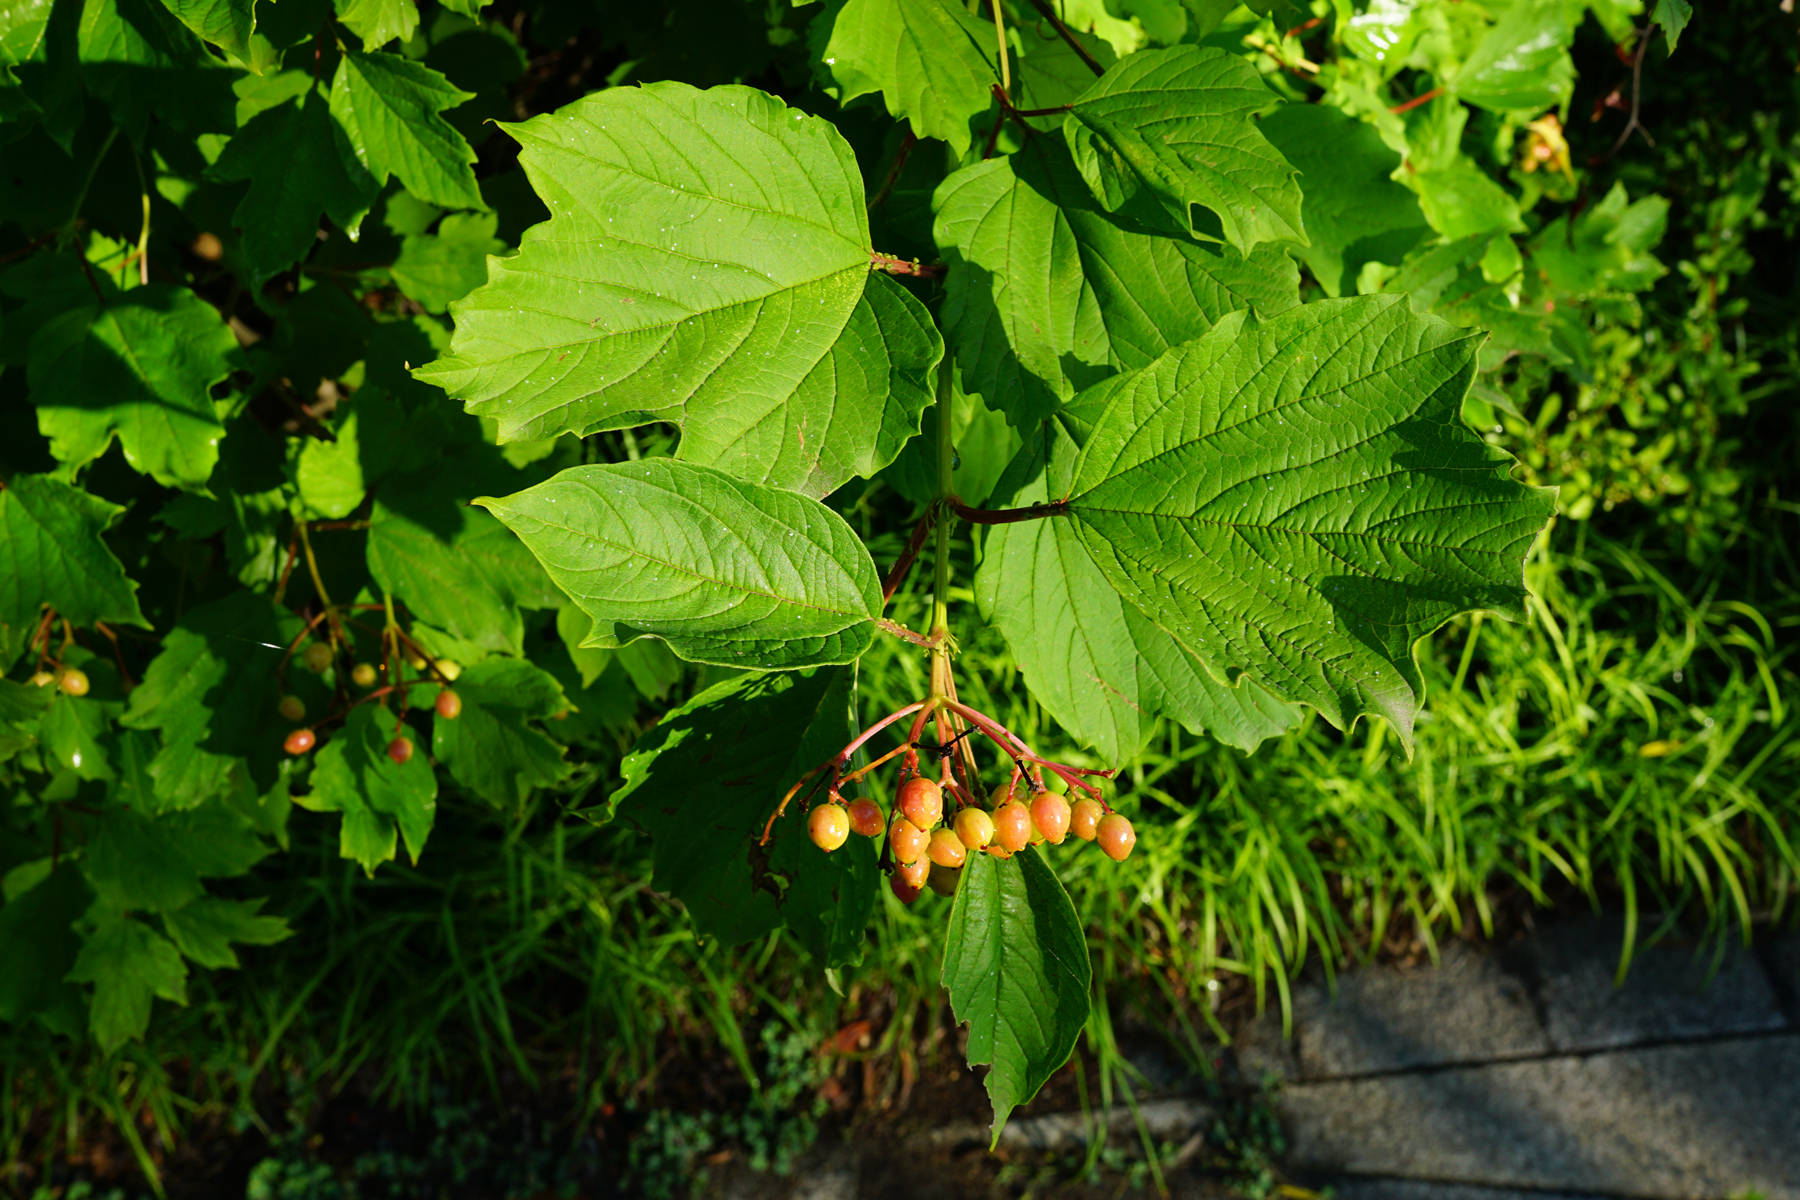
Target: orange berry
{"type": "Point", "coordinates": [946, 849]}
{"type": "Point", "coordinates": [299, 741]}
{"type": "Point", "coordinates": [449, 705]}
{"type": "Point", "coordinates": [1050, 817]}
{"type": "Point", "coordinates": [401, 750]}
{"type": "Point", "coordinates": [997, 850]}
{"type": "Point", "coordinates": [73, 682]}
{"type": "Point", "coordinates": [866, 818]}
{"type": "Point", "coordinates": [1115, 836]}
{"type": "Point", "coordinates": [922, 801]}
{"type": "Point", "coordinates": [907, 841]}
{"type": "Point", "coordinates": [914, 873]}
{"type": "Point", "coordinates": [1012, 826]}
{"type": "Point", "coordinates": [974, 827]}
{"type": "Point", "coordinates": [829, 826]}
{"type": "Point", "coordinates": [1085, 817]}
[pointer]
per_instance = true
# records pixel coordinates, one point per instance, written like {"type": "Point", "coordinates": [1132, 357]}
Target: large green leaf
{"type": "Point", "coordinates": [704, 780]}
{"type": "Point", "coordinates": [931, 60]}
{"type": "Point", "coordinates": [1176, 125]}
{"type": "Point", "coordinates": [354, 776]}
{"type": "Point", "coordinates": [724, 571]}
{"type": "Point", "coordinates": [706, 263]}
{"type": "Point", "coordinates": [227, 24]}
{"type": "Point", "coordinates": [1355, 213]}
{"type": "Point", "coordinates": [1047, 293]}
{"type": "Point", "coordinates": [1016, 967]}
{"type": "Point", "coordinates": [156, 864]}
{"type": "Point", "coordinates": [50, 543]}
{"type": "Point", "coordinates": [1095, 662]}
{"type": "Point", "coordinates": [1523, 62]}
{"type": "Point", "coordinates": [145, 64]}
{"type": "Point", "coordinates": [389, 109]}
{"type": "Point", "coordinates": [129, 965]}
{"type": "Point", "coordinates": [1299, 501]}
{"type": "Point", "coordinates": [140, 367]}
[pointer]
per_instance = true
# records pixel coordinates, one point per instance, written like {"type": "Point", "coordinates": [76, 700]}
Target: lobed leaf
{"type": "Point", "coordinates": [51, 553]}
{"type": "Point", "coordinates": [932, 61]}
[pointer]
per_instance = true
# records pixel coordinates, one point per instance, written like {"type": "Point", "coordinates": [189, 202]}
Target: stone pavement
{"type": "Point", "coordinates": [1495, 1076]}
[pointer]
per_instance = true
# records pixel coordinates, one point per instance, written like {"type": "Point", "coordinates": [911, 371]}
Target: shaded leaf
{"type": "Point", "coordinates": [353, 775]}
{"type": "Point", "coordinates": [50, 539]}
{"type": "Point", "coordinates": [932, 61]}
{"type": "Point", "coordinates": [493, 748]}
{"type": "Point", "coordinates": [204, 929]}
{"type": "Point", "coordinates": [129, 965]}
{"type": "Point", "coordinates": [227, 24]}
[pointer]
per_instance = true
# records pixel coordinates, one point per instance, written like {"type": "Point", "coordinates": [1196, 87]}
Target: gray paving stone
{"type": "Point", "coordinates": [1171, 1119]}
{"type": "Point", "coordinates": [1783, 957]}
{"type": "Point", "coordinates": [1667, 995]}
{"type": "Point", "coordinates": [1419, 1189]}
{"type": "Point", "coordinates": [1467, 1009]}
{"type": "Point", "coordinates": [1679, 1122]}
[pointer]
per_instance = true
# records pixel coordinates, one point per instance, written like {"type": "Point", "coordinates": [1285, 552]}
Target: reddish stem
{"type": "Point", "coordinates": [904, 266]}
{"type": "Point", "coordinates": [1006, 516]}
{"type": "Point", "coordinates": [1424, 98]}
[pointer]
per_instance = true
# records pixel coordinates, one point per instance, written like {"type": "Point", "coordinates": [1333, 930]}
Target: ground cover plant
{"type": "Point", "coordinates": [873, 391]}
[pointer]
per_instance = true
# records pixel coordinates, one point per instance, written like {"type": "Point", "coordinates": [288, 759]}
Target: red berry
{"type": "Point", "coordinates": [1115, 836]}
{"type": "Point", "coordinates": [922, 801]}
{"type": "Point", "coordinates": [907, 840]}
{"type": "Point", "coordinates": [299, 741]}
{"type": "Point", "coordinates": [449, 705]}
{"type": "Point", "coordinates": [73, 682]}
{"type": "Point", "coordinates": [946, 849]}
{"type": "Point", "coordinates": [317, 658]}
{"type": "Point", "coordinates": [904, 890]}
{"type": "Point", "coordinates": [362, 675]}
{"type": "Point", "coordinates": [829, 826]}
{"type": "Point", "coordinates": [401, 750]}
{"type": "Point", "coordinates": [914, 873]}
{"type": "Point", "coordinates": [1012, 826]}
{"type": "Point", "coordinates": [1050, 817]}
{"type": "Point", "coordinates": [866, 818]}
{"type": "Point", "coordinates": [974, 827]}
{"type": "Point", "coordinates": [1085, 817]}
{"type": "Point", "coordinates": [292, 708]}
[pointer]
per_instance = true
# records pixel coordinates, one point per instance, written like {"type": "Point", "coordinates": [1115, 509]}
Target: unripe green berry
{"type": "Point", "coordinates": [42, 679]}
{"type": "Point", "coordinates": [1012, 826]}
{"type": "Point", "coordinates": [73, 682]}
{"type": "Point", "coordinates": [946, 849]}
{"type": "Point", "coordinates": [317, 658]}
{"type": "Point", "coordinates": [362, 675]}
{"type": "Point", "coordinates": [974, 827]}
{"type": "Point", "coordinates": [944, 879]}
{"type": "Point", "coordinates": [922, 801]}
{"type": "Point", "coordinates": [829, 826]}
{"type": "Point", "coordinates": [1050, 817]}
{"type": "Point", "coordinates": [292, 708]}
{"type": "Point", "coordinates": [1115, 835]}
{"type": "Point", "coordinates": [449, 668]}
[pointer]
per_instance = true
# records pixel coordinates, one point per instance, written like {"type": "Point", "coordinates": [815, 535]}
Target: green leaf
{"type": "Point", "coordinates": [50, 539]}
{"type": "Point", "coordinates": [140, 368]}
{"type": "Point", "coordinates": [1095, 662]}
{"type": "Point", "coordinates": [290, 156]}
{"type": "Point", "coordinates": [1354, 211]}
{"type": "Point", "coordinates": [36, 942]}
{"type": "Point", "coordinates": [1299, 501]}
{"type": "Point", "coordinates": [1607, 248]}
{"type": "Point", "coordinates": [707, 264]}
{"type": "Point", "coordinates": [493, 748]}
{"type": "Point", "coordinates": [129, 965]}
{"type": "Point", "coordinates": [378, 22]}
{"type": "Point", "coordinates": [931, 60]}
{"type": "Point", "coordinates": [725, 571]}
{"type": "Point", "coordinates": [453, 566]}
{"type": "Point", "coordinates": [138, 58]}
{"type": "Point", "coordinates": [441, 268]}
{"type": "Point", "coordinates": [1176, 126]}
{"type": "Point", "coordinates": [388, 109]}
{"type": "Point", "coordinates": [156, 864]}
{"type": "Point", "coordinates": [1671, 16]}
{"type": "Point", "coordinates": [204, 929]}
{"type": "Point", "coordinates": [227, 24]}
{"type": "Point", "coordinates": [1523, 63]}
{"type": "Point", "coordinates": [704, 781]}
{"type": "Point", "coordinates": [214, 688]}
{"type": "Point", "coordinates": [1016, 967]}
{"type": "Point", "coordinates": [329, 475]}
{"type": "Point", "coordinates": [1046, 293]}
{"type": "Point", "coordinates": [1461, 200]}
{"type": "Point", "coordinates": [353, 775]}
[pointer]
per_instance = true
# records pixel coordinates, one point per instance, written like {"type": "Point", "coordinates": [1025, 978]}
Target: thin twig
{"type": "Point", "coordinates": [893, 176]}
{"type": "Point", "coordinates": [897, 573]}
{"type": "Point", "coordinates": [1632, 124]}
{"type": "Point", "coordinates": [1416, 101]}
{"type": "Point", "coordinates": [1007, 516]}
{"type": "Point", "coordinates": [1067, 35]}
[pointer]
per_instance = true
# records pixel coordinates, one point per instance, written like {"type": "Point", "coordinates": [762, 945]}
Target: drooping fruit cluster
{"type": "Point", "coordinates": [403, 667]}
{"type": "Point", "coordinates": [927, 846]}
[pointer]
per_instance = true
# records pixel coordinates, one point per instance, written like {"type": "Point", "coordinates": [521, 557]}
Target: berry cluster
{"type": "Point", "coordinates": [927, 846]}
{"type": "Point", "coordinates": [320, 656]}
